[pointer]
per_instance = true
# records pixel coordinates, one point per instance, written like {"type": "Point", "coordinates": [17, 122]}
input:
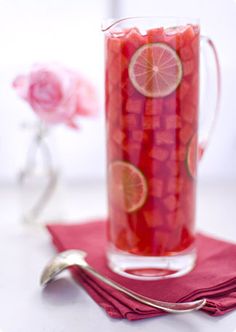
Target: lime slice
{"type": "Point", "coordinates": [155, 70]}
{"type": "Point", "coordinates": [192, 156]}
{"type": "Point", "coordinates": [127, 186]}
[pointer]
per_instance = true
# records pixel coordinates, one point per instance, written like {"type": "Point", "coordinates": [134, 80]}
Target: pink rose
{"type": "Point", "coordinates": [57, 94]}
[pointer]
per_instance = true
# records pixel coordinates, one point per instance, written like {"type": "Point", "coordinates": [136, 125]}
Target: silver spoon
{"type": "Point", "coordinates": [71, 258]}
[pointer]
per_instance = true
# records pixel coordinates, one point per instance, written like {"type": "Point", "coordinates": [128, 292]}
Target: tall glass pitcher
{"type": "Point", "coordinates": [152, 104]}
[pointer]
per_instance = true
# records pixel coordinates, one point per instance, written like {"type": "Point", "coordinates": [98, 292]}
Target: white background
{"type": "Point", "coordinates": [68, 31]}
{"type": "Point", "coordinates": [65, 31]}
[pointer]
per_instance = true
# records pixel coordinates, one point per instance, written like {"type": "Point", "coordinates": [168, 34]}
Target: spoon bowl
{"type": "Point", "coordinates": [61, 262]}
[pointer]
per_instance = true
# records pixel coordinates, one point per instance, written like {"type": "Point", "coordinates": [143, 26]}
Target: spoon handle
{"type": "Point", "coordinates": [165, 306]}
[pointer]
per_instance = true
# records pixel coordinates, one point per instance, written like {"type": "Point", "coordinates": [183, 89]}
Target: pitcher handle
{"type": "Point", "coordinates": [206, 136]}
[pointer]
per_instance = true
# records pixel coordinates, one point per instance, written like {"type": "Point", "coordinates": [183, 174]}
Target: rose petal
{"type": "Point", "coordinates": [57, 94]}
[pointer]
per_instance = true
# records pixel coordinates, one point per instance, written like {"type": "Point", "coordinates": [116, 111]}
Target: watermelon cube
{"type": "Point", "coordinates": [175, 219]}
{"type": "Point", "coordinates": [153, 106]}
{"type": "Point", "coordinates": [118, 136]}
{"type": "Point", "coordinates": [188, 67]}
{"type": "Point", "coordinates": [175, 185]}
{"type": "Point", "coordinates": [134, 105]}
{"type": "Point", "coordinates": [151, 122]}
{"type": "Point", "coordinates": [178, 154]}
{"type": "Point", "coordinates": [164, 137]}
{"type": "Point", "coordinates": [155, 35]}
{"type": "Point", "coordinates": [173, 167]}
{"type": "Point", "coordinates": [159, 153]}
{"type": "Point", "coordinates": [156, 187]}
{"type": "Point", "coordinates": [139, 135]}
{"type": "Point", "coordinates": [186, 53]}
{"type": "Point", "coordinates": [153, 218]}
{"type": "Point", "coordinates": [185, 134]}
{"type": "Point", "coordinates": [170, 202]}
{"type": "Point", "coordinates": [189, 112]}
{"type": "Point", "coordinates": [130, 121]}
{"type": "Point", "coordinates": [173, 121]}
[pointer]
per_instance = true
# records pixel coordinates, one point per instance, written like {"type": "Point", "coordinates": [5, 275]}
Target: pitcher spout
{"type": "Point", "coordinates": [109, 24]}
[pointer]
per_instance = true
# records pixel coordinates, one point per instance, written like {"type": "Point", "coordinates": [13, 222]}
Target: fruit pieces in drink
{"type": "Point", "coordinates": [157, 141]}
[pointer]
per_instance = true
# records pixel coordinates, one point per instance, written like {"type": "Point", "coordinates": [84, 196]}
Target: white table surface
{"type": "Point", "coordinates": [65, 307]}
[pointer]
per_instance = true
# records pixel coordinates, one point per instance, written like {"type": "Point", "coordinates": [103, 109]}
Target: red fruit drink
{"type": "Point", "coordinates": [152, 83]}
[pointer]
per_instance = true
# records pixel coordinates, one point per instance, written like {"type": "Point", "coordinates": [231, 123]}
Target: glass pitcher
{"type": "Point", "coordinates": [152, 116]}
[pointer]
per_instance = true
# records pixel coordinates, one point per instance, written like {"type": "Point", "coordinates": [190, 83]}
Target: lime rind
{"type": "Point", "coordinates": [190, 167]}
{"type": "Point", "coordinates": [141, 89]}
{"type": "Point", "coordinates": [143, 183]}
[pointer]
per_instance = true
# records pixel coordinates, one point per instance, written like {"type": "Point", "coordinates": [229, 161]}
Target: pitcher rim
{"type": "Point", "coordinates": [106, 26]}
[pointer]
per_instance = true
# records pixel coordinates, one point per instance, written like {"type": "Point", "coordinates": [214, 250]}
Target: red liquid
{"type": "Point", "coordinates": [154, 135]}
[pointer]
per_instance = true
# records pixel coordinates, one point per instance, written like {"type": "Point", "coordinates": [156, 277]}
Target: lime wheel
{"type": "Point", "coordinates": [127, 186]}
{"type": "Point", "coordinates": [192, 156]}
{"type": "Point", "coordinates": [155, 70]}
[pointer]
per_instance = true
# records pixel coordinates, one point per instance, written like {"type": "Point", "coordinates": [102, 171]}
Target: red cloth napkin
{"type": "Point", "coordinates": [214, 276]}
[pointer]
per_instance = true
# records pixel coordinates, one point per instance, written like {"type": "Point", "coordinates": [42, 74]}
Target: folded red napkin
{"type": "Point", "coordinates": [214, 276]}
